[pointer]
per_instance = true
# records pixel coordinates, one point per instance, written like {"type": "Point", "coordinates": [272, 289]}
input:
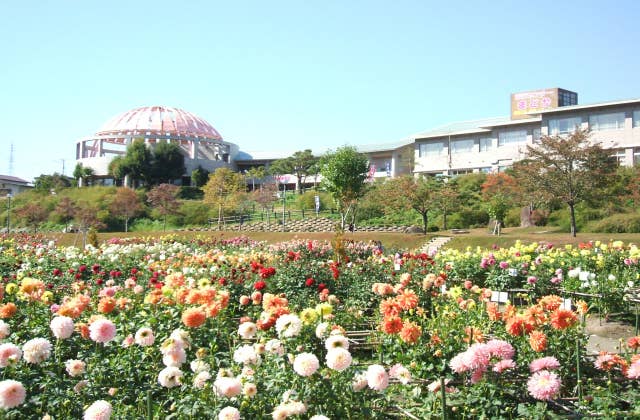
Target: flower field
{"type": "Point", "coordinates": [231, 329]}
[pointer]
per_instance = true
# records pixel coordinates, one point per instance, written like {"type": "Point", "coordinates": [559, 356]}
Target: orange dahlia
{"type": "Point", "coordinates": [8, 310]}
{"type": "Point", "coordinates": [538, 341]}
{"type": "Point", "coordinates": [193, 317]}
{"type": "Point", "coordinates": [563, 318]}
{"type": "Point", "coordinates": [410, 332]}
{"type": "Point", "coordinates": [392, 324]}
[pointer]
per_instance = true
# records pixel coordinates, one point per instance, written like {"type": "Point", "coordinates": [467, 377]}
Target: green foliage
{"type": "Point", "coordinates": [307, 201]}
{"type": "Point", "coordinates": [344, 173]}
{"type": "Point", "coordinates": [199, 177]}
{"type": "Point", "coordinates": [191, 193]}
{"type": "Point", "coordinates": [618, 223]}
{"type": "Point", "coordinates": [301, 164]}
{"type": "Point", "coordinates": [192, 213]}
{"type": "Point", "coordinates": [167, 163]}
{"type": "Point", "coordinates": [55, 182]}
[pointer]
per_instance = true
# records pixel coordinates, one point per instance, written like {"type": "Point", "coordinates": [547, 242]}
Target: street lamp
{"type": "Point", "coordinates": [9, 212]}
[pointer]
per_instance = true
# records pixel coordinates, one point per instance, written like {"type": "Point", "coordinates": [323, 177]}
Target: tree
{"type": "Point", "coordinates": [199, 177]}
{"type": "Point", "coordinates": [499, 192]}
{"type": "Point", "coordinates": [66, 209]}
{"type": "Point", "coordinates": [136, 163]}
{"type": "Point", "coordinates": [266, 196]}
{"type": "Point", "coordinates": [445, 198]}
{"type": "Point", "coordinates": [118, 169]}
{"type": "Point", "coordinates": [83, 175]}
{"type": "Point", "coordinates": [256, 172]}
{"type": "Point", "coordinates": [125, 204]}
{"type": "Point", "coordinates": [222, 190]}
{"type": "Point", "coordinates": [300, 164]}
{"type": "Point", "coordinates": [53, 182]}
{"type": "Point", "coordinates": [344, 173]}
{"type": "Point", "coordinates": [409, 193]}
{"type": "Point", "coordinates": [86, 217]}
{"type": "Point", "coordinates": [167, 163]}
{"type": "Point", "coordinates": [33, 214]}
{"type": "Point", "coordinates": [164, 199]}
{"type": "Point", "coordinates": [572, 169]}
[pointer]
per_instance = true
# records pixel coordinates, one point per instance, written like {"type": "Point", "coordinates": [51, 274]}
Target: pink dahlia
{"type": "Point", "coordinates": [99, 410]}
{"type": "Point", "coordinates": [228, 387]}
{"type": "Point", "coordinates": [144, 337]}
{"type": "Point", "coordinates": [306, 364]}
{"type": "Point", "coordinates": [543, 385]}
{"type": "Point", "coordinates": [377, 378]}
{"type": "Point", "coordinates": [500, 349]}
{"type": "Point", "coordinates": [229, 413]}
{"type": "Point", "coordinates": [544, 363]}
{"type": "Point", "coordinates": [503, 365]}
{"type": "Point", "coordinates": [75, 367]}
{"type": "Point", "coordinates": [12, 394]}
{"type": "Point", "coordinates": [36, 350]}
{"type": "Point", "coordinates": [61, 327]}
{"type": "Point", "coordinates": [338, 359]}
{"type": "Point", "coordinates": [400, 373]}
{"type": "Point", "coordinates": [10, 354]}
{"type": "Point", "coordinates": [634, 370]}
{"type": "Point", "coordinates": [102, 330]}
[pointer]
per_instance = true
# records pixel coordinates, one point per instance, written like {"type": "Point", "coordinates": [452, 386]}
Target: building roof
{"type": "Point", "coordinates": [13, 179]}
{"type": "Point", "coordinates": [158, 120]}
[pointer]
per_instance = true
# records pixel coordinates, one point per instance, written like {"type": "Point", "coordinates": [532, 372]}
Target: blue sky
{"type": "Point", "coordinates": [290, 75]}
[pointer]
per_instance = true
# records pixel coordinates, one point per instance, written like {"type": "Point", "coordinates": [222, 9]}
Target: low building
{"type": "Point", "coordinates": [13, 185]}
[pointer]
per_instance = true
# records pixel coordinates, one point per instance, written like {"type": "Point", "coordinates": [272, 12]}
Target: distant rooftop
{"type": "Point", "coordinates": [13, 179]}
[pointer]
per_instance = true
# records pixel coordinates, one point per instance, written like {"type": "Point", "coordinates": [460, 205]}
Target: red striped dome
{"type": "Point", "coordinates": [159, 120]}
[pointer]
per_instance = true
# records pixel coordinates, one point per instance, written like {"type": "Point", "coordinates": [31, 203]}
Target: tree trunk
{"type": "Point", "coordinates": [425, 221]}
{"type": "Point", "coordinates": [572, 212]}
{"type": "Point", "coordinates": [126, 224]}
{"type": "Point", "coordinates": [444, 220]}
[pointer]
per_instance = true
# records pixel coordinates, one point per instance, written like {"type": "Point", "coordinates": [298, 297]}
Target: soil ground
{"type": "Point", "coordinates": [607, 334]}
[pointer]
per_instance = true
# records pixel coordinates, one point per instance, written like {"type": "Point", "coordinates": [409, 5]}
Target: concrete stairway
{"type": "Point", "coordinates": [435, 244]}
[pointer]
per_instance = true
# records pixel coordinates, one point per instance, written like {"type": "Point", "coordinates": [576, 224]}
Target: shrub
{"type": "Point", "coordinates": [618, 223]}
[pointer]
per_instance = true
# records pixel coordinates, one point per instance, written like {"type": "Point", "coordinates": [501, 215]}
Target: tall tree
{"type": "Point", "coordinates": [136, 163]}
{"type": "Point", "coordinates": [571, 168]}
{"type": "Point", "coordinates": [66, 209]}
{"type": "Point", "coordinates": [256, 172]}
{"type": "Point", "coordinates": [266, 196]}
{"type": "Point", "coordinates": [301, 164]}
{"type": "Point", "coordinates": [33, 214]}
{"type": "Point", "coordinates": [445, 198]}
{"type": "Point", "coordinates": [409, 193]}
{"type": "Point", "coordinates": [83, 175]}
{"type": "Point", "coordinates": [125, 204]}
{"type": "Point", "coordinates": [86, 217]}
{"type": "Point", "coordinates": [344, 173]}
{"type": "Point", "coordinates": [500, 192]}
{"type": "Point", "coordinates": [164, 199]}
{"type": "Point", "coordinates": [167, 163]}
{"type": "Point", "coordinates": [199, 177]}
{"type": "Point", "coordinates": [223, 190]}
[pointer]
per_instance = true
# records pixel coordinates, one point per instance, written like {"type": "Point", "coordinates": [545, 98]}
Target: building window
{"type": "Point", "coordinates": [486, 144]}
{"type": "Point", "coordinates": [431, 149]}
{"type": "Point", "coordinates": [512, 137]}
{"type": "Point", "coordinates": [619, 155]}
{"type": "Point", "coordinates": [537, 133]}
{"type": "Point", "coordinates": [462, 146]}
{"type": "Point", "coordinates": [636, 156]}
{"type": "Point", "coordinates": [456, 172]}
{"type": "Point", "coordinates": [564, 125]}
{"type": "Point", "coordinates": [636, 118]}
{"type": "Point", "coordinates": [611, 121]}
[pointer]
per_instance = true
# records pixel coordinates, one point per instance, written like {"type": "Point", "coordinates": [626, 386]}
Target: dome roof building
{"type": "Point", "coordinates": [199, 142]}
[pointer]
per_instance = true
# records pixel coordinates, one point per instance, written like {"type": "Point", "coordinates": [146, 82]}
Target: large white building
{"type": "Point", "coordinates": [485, 145]}
{"type": "Point", "coordinates": [491, 144]}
